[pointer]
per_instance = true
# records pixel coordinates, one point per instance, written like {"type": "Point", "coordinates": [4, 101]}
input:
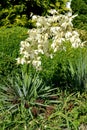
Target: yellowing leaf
{"type": "Point", "coordinates": [57, 4]}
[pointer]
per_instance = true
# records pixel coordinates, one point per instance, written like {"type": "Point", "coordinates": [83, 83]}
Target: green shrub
{"type": "Point", "coordinates": [9, 48]}
{"type": "Point", "coordinates": [18, 12]}
{"type": "Point", "coordinates": [81, 20]}
{"type": "Point", "coordinates": [13, 15]}
{"type": "Point", "coordinates": [67, 70]}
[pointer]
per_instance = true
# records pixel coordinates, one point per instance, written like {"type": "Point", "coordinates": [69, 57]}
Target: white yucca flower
{"type": "Point", "coordinates": [18, 60]}
{"type": "Point", "coordinates": [36, 64]}
{"type": "Point", "coordinates": [68, 35]}
{"type": "Point", "coordinates": [22, 61]}
{"type": "Point", "coordinates": [38, 24]}
{"type": "Point", "coordinates": [34, 17]}
{"type": "Point", "coordinates": [47, 38]}
{"type": "Point", "coordinates": [26, 54]}
{"type": "Point", "coordinates": [53, 11]}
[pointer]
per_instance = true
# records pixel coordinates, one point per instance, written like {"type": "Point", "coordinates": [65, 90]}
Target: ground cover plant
{"type": "Point", "coordinates": [69, 112]}
{"type": "Point", "coordinates": [50, 91]}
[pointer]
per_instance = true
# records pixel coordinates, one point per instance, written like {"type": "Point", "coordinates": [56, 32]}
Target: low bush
{"type": "Point", "coordinates": [9, 47]}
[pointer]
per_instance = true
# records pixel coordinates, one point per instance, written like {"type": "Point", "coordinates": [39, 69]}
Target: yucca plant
{"type": "Point", "coordinates": [78, 69]}
{"type": "Point", "coordinates": [24, 90]}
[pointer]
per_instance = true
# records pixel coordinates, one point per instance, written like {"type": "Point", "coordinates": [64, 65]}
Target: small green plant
{"type": "Point", "coordinates": [70, 112]}
{"type": "Point", "coordinates": [26, 90]}
{"type": "Point", "coordinates": [78, 69]}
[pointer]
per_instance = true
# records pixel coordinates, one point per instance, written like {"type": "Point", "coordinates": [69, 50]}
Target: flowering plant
{"type": "Point", "coordinates": [47, 38]}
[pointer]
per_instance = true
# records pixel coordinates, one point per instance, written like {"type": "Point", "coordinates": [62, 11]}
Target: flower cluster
{"type": "Point", "coordinates": [50, 33]}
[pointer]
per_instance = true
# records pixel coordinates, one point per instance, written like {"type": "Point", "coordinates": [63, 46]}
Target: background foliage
{"type": "Point", "coordinates": [80, 7]}
{"type": "Point", "coordinates": [67, 70]}
{"type": "Point", "coordinates": [18, 12]}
